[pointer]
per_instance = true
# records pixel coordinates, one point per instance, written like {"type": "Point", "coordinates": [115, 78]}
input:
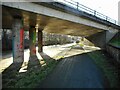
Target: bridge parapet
{"type": "Point", "coordinates": [80, 7]}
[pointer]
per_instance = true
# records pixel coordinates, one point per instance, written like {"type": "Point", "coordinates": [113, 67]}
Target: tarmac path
{"type": "Point", "coordinates": [77, 71]}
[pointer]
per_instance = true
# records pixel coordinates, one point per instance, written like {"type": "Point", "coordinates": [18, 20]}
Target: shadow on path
{"type": "Point", "coordinates": [78, 71]}
{"type": "Point", "coordinates": [9, 74]}
{"type": "Point", "coordinates": [12, 75]}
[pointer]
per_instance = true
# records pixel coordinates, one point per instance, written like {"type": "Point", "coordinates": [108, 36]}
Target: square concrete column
{"type": "Point", "coordinates": [32, 40]}
{"type": "Point", "coordinates": [18, 39]}
{"type": "Point", "coordinates": [40, 41]}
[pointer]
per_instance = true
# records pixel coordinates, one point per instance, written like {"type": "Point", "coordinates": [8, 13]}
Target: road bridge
{"type": "Point", "coordinates": [70, 18]}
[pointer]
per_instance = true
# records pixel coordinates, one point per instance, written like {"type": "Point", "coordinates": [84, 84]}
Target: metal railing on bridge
{"type": "Point", "coordinates": [80, 7]}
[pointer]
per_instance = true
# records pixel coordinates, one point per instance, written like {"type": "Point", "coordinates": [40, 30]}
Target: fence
{"type": "Point", "coordinates": [80, 7]}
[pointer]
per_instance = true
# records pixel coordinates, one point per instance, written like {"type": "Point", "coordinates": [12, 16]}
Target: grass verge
{"type": "Point", "coordinates": [115, 42]}
{"type": "Point", "coordinates": [32, 77]}
{"type": "Point", "coordinates": [110, 71]}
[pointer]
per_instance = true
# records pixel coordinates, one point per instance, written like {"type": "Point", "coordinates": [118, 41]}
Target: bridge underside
{"type": "Point", "coordinates": [19, 20]}
{"type": "Point", "coordinates": [46, 23]}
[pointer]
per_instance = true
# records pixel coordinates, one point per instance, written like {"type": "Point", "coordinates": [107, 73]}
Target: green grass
{"type": "Point", "coordinates": [72, 46]}
{"type": "Point", "coordinates": [31, 78]}
{"type": "Point", "coordinates": [115, 42]}
{"type": "Point", "coordinates": [34, 77]}
{"type": "Point", "coordinates": [109, 71]}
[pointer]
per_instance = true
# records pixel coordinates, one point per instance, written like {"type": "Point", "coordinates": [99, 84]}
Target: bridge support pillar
{"type": "Point", "coordinates": [18, 39]}
{"type": "Point", "coordinates": [32, 40]}
{"type": "Point", "coordinates": [40, 41]}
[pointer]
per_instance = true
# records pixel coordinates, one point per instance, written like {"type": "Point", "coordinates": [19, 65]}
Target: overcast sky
{"type": "Point", "coordinates": [107, 7]}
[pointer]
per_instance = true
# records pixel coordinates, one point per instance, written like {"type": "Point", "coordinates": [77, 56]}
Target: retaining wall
{"type": "Point", "coordinates": [114, 52]}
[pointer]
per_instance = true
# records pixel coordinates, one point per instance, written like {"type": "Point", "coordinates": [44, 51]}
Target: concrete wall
{"type": "Point", "coordinates": [110, 34]}
{"type": "Point", "coordinates": [114, 52]}
{"type": "Point", "coordinates": [99, 39]}
{"type": "Point", "coordinates": [102, 38]}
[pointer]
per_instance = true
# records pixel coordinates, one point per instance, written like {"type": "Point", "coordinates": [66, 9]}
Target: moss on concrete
{"type": "Point", "coordinates": [115, 42]}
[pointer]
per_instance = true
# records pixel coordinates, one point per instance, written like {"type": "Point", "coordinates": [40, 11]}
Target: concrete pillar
{"type": "Point", "coordinates": [40, 41]}
{"type": "Point", "coordinates": [32, 40]}
{"type": "Point", "coordinates": [18, 39]}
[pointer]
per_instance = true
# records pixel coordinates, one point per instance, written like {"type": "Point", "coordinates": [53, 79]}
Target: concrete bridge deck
{"type": "Point", "coordinates": [39, 17]}
{"type": "Point", "coordinates": [56, 17]}
{"type": "Point", "coordinates": [60, 18]}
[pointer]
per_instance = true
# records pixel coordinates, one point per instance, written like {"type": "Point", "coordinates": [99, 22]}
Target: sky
{"type": "Point", "coordinates": [106, 7]}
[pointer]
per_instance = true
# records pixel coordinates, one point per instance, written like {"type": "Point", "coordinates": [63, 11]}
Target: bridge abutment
{"type": "Point", "coordinates": [110, 34]}
{"type": "Point", "coordinates": [98, 39]}
{"type": "Point", "coordinates": [102, 38]}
